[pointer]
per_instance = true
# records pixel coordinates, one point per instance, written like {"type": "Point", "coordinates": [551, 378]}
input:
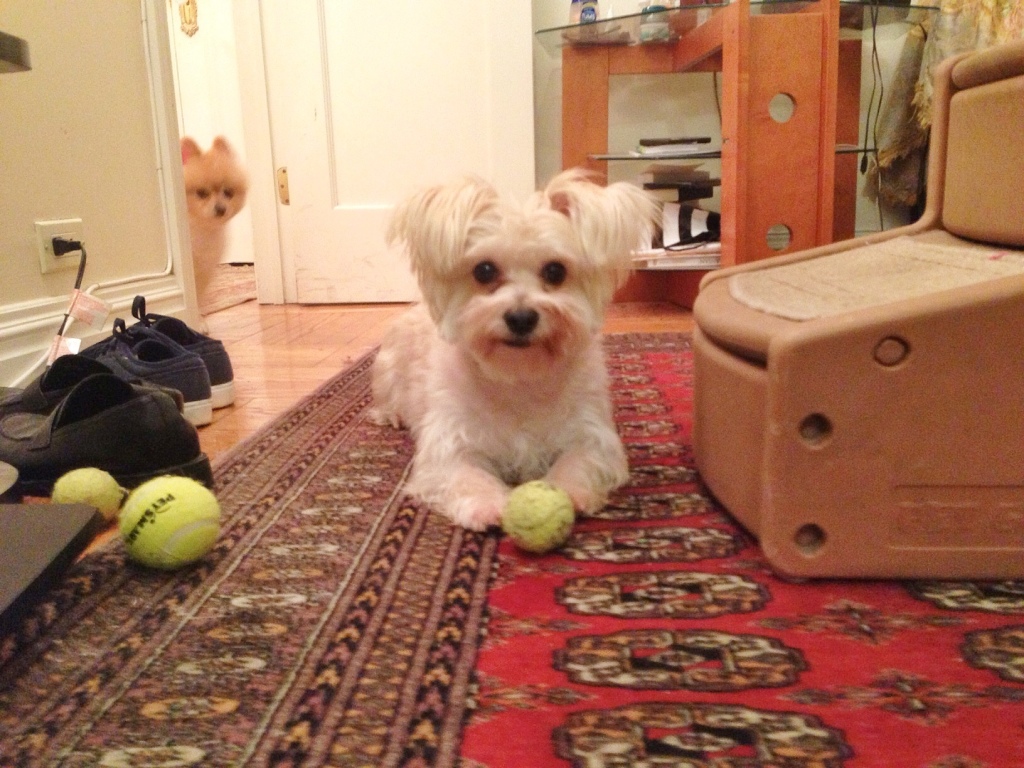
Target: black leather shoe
{"type": "Point", "coordinates": [133, 432]}
{"type": "Point", "coordinates": [52, 386]}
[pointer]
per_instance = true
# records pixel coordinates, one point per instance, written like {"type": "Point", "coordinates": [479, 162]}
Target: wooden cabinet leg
{"type": "Point", "coordinates": [584, 107]}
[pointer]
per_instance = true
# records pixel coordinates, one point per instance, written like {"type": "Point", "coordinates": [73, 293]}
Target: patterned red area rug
{"type": "Point", "coordinates": [335, 624]}
{"type": "Point", "coordinates": [659, 637]}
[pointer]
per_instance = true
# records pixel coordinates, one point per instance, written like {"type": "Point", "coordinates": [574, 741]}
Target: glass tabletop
{"type": "Point", "coordinates": [666, 25]}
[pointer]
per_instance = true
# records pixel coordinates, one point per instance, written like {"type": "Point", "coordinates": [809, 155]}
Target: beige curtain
{"type": "Point", "coordinates": [959, 26]}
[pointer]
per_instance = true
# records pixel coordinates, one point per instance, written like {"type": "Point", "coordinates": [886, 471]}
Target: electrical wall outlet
{"type": "Point", "coordinates": [70, 229]}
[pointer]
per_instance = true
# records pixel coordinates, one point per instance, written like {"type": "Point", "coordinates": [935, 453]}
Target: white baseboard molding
{"type": "Point", "coordinates": [27, 329]}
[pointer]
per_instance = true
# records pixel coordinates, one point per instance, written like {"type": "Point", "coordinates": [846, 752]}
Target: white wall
{"type": "Point", "coordinates": [78, 139]}
{"type": "Point", "coordinates": [547, 91]}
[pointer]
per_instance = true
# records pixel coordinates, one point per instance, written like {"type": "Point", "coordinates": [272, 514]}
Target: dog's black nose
{"type": "Point", "coordinates": [522, 321]}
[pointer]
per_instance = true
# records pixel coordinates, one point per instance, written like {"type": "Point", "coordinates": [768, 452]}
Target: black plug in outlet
{"type": "Point", "coordinates": [63, 246]}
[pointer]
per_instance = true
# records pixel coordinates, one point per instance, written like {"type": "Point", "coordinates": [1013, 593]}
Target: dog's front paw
{"type": "Point", "coordinates": [468, 495]}
{"type": "Point", "coordinates": [477, 516]}
{"type": "Point", "coordinates": [585, 500]}
{"type": "Point", "coordinates": [588, 482]}
{"type": "Point", "coordinates": [383, 418]}
{"type": "Point", "coordinates": [478, 513]}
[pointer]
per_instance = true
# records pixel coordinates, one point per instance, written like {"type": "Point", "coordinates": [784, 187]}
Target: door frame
{"type": "Point", "coordinates": [262, 199]}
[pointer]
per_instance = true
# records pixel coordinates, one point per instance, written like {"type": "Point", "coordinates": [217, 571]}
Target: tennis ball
{"type": "Point", "coordinates": [538, 517]}
{"type": "Point", "coordinates": [168, 522]}
{"type": "Point", "coordinates": [89, 486]}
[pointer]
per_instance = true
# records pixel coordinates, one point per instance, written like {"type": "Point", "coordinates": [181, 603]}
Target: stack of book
{"type": "Point", "coordinates": [704, 257]}
{"type": "Point", "coordinates": [689, 237]}
{"type": "Point", "coordinates": [672, 182]}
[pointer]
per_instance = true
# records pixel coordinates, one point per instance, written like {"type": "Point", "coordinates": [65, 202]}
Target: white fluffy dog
{"type": "Point", "coordinates": [500, 372]}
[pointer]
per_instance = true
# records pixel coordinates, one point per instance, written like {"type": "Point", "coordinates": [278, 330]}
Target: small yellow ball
{"type": "Point", "coordinates": [169, 522]}
{"type": "Point", "coordinates": [538, 517]}
{"type": "Point", "coordinates": [90, 486]}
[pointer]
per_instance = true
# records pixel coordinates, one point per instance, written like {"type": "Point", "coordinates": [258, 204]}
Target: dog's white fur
{"type": "Point", "coordinates": [490, 400]}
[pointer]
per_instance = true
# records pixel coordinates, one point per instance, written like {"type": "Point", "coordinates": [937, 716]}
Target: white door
{"type": "Point", "coordinates": [370, 101]}
{"type": "Point", "coordinates": [209, 99]}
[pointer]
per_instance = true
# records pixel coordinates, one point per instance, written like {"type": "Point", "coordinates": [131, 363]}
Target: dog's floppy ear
{"type": "Point", "coordinates": [611, 222]}
{"type": "Point", "coordinates": [437, 226]}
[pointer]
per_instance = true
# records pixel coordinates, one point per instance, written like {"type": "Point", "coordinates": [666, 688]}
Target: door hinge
{"type": "Point", "coordinates": [282, 186]}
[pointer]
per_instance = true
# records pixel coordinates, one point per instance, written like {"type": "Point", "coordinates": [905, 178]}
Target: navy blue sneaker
{"type": "Point", "coordinates": [212, 351]}
{"type": "Point", "coordinates": [142, 353]}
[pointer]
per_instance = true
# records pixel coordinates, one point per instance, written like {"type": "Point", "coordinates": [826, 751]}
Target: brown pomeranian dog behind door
{"type": "Point", "coordinates": [215, 190]}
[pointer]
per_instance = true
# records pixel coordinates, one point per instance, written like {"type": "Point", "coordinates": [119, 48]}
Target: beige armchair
{"type": "Point", "coordinates": [860, 407]}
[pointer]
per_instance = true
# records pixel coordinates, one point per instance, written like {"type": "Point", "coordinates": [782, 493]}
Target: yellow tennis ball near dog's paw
{"type": "Point", "coordinates": [169, 522]}
{"type": "Point", "coordinates": [538, 517]}
{"type": "Point", "coordinates": [91, 486]}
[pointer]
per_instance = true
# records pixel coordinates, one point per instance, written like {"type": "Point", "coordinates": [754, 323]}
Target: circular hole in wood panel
{"type": "Point", "coordinates": [815, 429]}
{"type": "Point", "coordinates": [779, 237]}
{"type": "Point", "coordinates": [809, 539]}
{"type": "Point", "coordinates": [781, 107]}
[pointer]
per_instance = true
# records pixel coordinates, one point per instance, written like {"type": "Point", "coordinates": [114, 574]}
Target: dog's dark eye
{"type": "Point", "coordinates": [485, 272]}
{"type": "Point", "coordinates": [229, 193]}
{"type": "Point", "coordinates": [202, 194]}
{"type": "Point", "coordinates": [553, 273]}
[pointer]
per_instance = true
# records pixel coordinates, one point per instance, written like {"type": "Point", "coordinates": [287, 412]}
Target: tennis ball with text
{"type": "Point", "coordinates": [169, 522]}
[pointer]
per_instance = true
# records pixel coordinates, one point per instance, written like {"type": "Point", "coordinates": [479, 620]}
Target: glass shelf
{"type": "Point", "coordinates": [667, 26]}
{"type": "Point", "coordinates": [854, 14]}
{"type": "Point", "coordinates": [857, 16]}
{"type": "Point", "coordinates": [709, 154]}
{"type": "Point", "coordinates": [630, 29]}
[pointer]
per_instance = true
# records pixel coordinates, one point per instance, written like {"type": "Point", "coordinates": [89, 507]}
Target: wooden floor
{"type": "Point", "coordinates": [281, 353]}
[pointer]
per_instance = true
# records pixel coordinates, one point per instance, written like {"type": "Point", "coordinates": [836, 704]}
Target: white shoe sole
{"type": "Point", "coordinates": [198, 412]}
{"type": "Point", "coordinates": [223, 394]}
